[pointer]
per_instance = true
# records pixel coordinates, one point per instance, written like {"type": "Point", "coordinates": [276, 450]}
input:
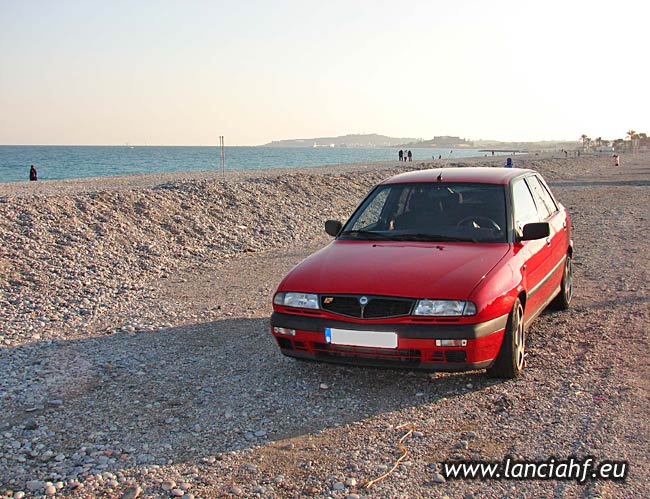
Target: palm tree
{"type": "Point", "coordinates": [599, 141]}
{"type": "Point", "coordinates": [585, 140]}
{"type": "Point", "coordinates": [632, 135]}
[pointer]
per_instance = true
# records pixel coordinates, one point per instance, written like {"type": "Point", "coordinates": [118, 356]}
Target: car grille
{"type": "Point", "coordinates": [368, 356]}
{"type": "Point", "coordinates": [378, 307]}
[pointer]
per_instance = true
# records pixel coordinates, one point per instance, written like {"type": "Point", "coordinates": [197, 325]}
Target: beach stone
{"type": "Point", "coordinates": [132, 492]}
{"type": "Point", "coordinates": [438, 478]}
{"type": "Point", "coordinates": [168, 485]}
{"type": "Point", "coordinates": [34, 485]}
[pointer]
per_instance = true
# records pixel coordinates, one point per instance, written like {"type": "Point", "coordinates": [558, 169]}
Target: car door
{"type": "Point", "coordinates": [533, 255]}
{"type": "Point", "coordinates": [558, 238]}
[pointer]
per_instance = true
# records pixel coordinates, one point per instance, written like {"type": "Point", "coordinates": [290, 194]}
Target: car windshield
{"type": "Point", "coordinates": [436, 211]}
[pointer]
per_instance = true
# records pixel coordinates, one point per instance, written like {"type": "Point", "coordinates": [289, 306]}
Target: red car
{"type": "Point", "coordinates": [437, 269]}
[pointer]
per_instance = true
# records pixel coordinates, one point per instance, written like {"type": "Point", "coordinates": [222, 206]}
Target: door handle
{"type": "Point", "coordinates": [548, 241]}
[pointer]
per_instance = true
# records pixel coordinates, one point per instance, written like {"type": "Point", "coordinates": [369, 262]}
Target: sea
{"type": "Point", "coordinates": [66, 162]}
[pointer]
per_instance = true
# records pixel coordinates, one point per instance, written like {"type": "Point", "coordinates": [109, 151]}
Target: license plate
{"type": "Point", "coordinates": [377, 339]}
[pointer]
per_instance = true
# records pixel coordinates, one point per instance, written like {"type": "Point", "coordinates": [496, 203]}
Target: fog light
{"type": "Point", "coordinates": [284, 330]}
{"type": "Point", "coordinates": [451, 343]}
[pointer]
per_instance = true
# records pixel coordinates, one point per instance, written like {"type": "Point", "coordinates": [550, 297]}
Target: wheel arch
{"type": "Point", "coordinates": [522, 298]}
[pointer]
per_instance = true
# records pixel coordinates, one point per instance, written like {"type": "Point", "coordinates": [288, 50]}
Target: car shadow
{"type": "Point", "coordinates": [194, 391]}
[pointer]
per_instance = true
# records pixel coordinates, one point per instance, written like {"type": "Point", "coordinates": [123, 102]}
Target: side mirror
{"type": "Point", "coordinates": [333, 227]}
{"type": "Point", "coordinates": [538, 230]}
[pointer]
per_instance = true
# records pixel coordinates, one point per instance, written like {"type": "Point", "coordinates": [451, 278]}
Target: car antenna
{"type": "Point", "coordinates": [439, 176]}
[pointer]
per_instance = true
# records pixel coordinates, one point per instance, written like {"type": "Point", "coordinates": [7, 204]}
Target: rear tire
{"type": "Point", "coordinates": [510, 361]}
{"type": "Point", "coordinates": [563, 300]}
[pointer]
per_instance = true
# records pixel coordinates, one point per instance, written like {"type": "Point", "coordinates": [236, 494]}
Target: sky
{"type": "Point", "coordinates": [185, 72]}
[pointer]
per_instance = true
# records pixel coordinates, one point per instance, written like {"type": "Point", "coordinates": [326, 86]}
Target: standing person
{"type": "Point", "coordinates": [410, 155]}
{"type": "Point", "coordinates": [33, 174]}
{"type": "Point", "coordinates": [401, 155]}
{"type": "Point", "coordinates": [617, 160]}
{"type": "Point", "coordinates": [509, 163]}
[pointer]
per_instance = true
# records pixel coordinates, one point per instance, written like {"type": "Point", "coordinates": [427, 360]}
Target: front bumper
{"type": "Point", "coordinates": [416, 345]}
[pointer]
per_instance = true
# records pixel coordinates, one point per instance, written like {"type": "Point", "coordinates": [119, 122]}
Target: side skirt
{"type": "Point", "coordinates": [541, 308]}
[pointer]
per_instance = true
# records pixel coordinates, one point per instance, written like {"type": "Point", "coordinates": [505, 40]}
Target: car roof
{"type": "Point", "coordinates": [474, 174]}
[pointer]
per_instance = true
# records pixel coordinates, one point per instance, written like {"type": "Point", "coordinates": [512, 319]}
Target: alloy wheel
{"type": "Point", "coordinates": [568, 279]}
{"type": "Point", "coordinates": [520, 337]}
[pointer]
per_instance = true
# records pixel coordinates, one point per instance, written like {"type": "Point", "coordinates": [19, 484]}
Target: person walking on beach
{"type": "Point", "coordinates": [33, 174]}
{"type": "Point", "coordinates": [509, 163]}
{"type": "Point", "coordinates": [401, 155]}
{"type": "Point", "coordinates": [617, 160]}
{"type": "Point", "coordinates": [410, 155]}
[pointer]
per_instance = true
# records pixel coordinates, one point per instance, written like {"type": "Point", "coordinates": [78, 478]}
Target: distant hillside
{"type": "Point", "coordinates": [351, 140]}
{"type": "Point", "coordinates": [546, 145]}
{"type": "Point", "coordinates": [442, 141]}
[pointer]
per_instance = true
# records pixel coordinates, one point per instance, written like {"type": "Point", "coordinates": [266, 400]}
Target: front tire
{"type": "Point", "coordinates": [563, 300]}
{"type": "Point", "coordinates": [510, 361]}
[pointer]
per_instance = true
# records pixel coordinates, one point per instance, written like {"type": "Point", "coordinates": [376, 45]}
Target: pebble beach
{"type": "Point", "coordinates": [136, 360]}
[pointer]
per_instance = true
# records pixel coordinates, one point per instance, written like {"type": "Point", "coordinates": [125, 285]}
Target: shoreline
{"type": "Point", "coordinates": [141, 181]}
{"type": "Point", "coordinates": [118, 161]}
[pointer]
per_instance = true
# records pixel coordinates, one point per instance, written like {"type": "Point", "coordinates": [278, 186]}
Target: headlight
{"type": "Point", "coordinates": [445, 307]}
{"type": "Point", "coordinates": [298, 300]}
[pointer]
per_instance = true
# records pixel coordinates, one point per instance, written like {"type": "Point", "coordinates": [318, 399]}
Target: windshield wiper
{"type": "Point", "coordinates": [434, 238]}
{"type": "Point", "coordinates": [368, 234]}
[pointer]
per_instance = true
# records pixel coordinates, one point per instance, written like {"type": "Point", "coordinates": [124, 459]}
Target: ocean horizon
{"type": "Point", "coordinates": [68, 162]}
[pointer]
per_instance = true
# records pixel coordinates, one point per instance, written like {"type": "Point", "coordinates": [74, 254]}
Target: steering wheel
{"type": "Point", "coordinates": [479, 218]}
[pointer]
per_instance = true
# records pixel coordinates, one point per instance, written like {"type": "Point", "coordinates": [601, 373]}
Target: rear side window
{"type": "Point", "coordinates": [523, 204]}
{"type": "Point", "coordinates": [543, 199]}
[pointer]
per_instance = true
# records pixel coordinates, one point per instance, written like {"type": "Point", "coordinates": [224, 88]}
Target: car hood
{"type": "Point", "coordinates": [408, 269]}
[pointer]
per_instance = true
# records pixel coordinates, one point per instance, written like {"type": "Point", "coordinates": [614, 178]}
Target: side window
{"type": "Point", "coordinates": [548, 196]}
{"type": "Point", "coordinates": [544, 202]}
{"type": "Point", "coordinates": [523, 204]}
